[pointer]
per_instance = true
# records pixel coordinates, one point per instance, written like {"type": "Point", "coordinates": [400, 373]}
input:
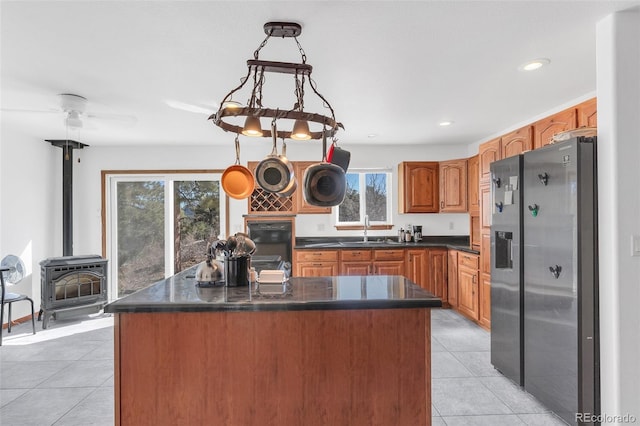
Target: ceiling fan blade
{"type": "Point", "coordinates": [123, 119]}
{"type": "Point", "coordinates": [37, 111]}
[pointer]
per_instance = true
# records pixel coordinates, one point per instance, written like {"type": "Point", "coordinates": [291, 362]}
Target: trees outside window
{"type": "Point", "coordinates": [368, 193]}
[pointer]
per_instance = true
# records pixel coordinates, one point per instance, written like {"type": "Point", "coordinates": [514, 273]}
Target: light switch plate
{"type": "Point", "coordinates": [635, 245]}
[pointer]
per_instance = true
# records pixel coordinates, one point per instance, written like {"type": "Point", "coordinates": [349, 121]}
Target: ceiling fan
{"type": "Point", "coordinates": [74, 109]}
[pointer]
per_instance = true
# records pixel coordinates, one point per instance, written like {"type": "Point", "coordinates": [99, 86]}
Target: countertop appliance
{"type": "Point", "coordinates": [558, 305]}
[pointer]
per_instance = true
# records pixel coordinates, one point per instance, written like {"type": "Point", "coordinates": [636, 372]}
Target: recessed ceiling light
{"type": "Point", "coordinates": [372, 135]}
{"type": "Point", "coordinates": [534, 65]}
{"type": "Point", "coordinates": [446, 123]}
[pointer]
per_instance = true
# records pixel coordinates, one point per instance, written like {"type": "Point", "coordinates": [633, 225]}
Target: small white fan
{"type": "Point", "coordinates": [16, 269]}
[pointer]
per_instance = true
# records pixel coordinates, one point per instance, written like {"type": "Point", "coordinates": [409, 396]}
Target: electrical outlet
{"type": "Point", "coordinates": [450, 225]}
{"type": "Point", "coordinates": [321, 227]}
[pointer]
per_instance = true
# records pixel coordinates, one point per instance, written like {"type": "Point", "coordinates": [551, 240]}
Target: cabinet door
{"type": "Point", "coordinates": [355, 268]}
{"type": "Point", "coordinates": [588, 113]}
{"type": "Point", "coordinates": [416, 267]}
{"type": "Point", "coordinates": [452, 278]}
{"type": "Point", "coordinates": [485, 253]}
{"type": "Point", "coordinates": [484, 301]}
{"type": "Point", "coordinates": [488, 152]}
{"type": "Point", "coordinates": [474, 226]}
{"type": "Point", "coordinates": [453, 186]}
{"type": "Point", "coordinates": [545, 129]}
{"type": "Point", "coordinates": [438, 272]}
{"type": "Point", "coordinates": [468, 293]}
{"type": "Point", "coordinates": [389, 267]}
{"type": "Point", "coordinates": [316, 269]}
{"type": "Point", "coordinates": [516, 142]}
{"type": "Point", "coordinates": [418, 190]}
{"type": "Point", "coordinates": [301, 205]}
{"type": "Point", "coordinates": [486, 209]}
{"type": "Point", "coordinates": [473, 180]}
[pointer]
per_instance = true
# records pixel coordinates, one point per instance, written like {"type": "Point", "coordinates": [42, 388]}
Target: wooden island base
{"type": "Point", "coordinates": [310, 367]}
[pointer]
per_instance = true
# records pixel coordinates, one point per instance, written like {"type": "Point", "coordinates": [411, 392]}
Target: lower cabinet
{"type": "Point", "coordinates": [452, 278]}
{"type": "Point", "coordinates": [468, 295]}
{"type": "Point", "coordinates": [484, 301]}
{"type": "Point", "coordinates": [314, 263]}
{"type": "Point", "coordinates": [428, 269]}
{"type": "Point", "coordinates": [372, 262]}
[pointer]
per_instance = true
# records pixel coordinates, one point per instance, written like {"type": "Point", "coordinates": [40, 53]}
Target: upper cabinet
{"type": "Point", "coordinates": [516, 142]}
{"type": "Point", "coordinates": [487, 154]}
{"type": "Point", "coordinates": [545, 129]}
{"type": "Point", "coordinates": [418, 190]}
{"type": "Point", "coordinates": [453, 186]}
{"type": "Point", "coordinates": [588, 113]}
{"type": "Point", "coordinates": [473, 179]}
{"type": "Point", "coordinates": [301, 205]}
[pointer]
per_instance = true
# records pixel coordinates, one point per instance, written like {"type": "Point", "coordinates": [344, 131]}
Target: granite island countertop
{"type": "Point", "coordinates": [179, 293]}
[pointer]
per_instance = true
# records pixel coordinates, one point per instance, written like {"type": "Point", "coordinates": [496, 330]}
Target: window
{"type": "Point", "coordinates": [159, 224]}
{"type": "Point", "coordinates": [368, 193]}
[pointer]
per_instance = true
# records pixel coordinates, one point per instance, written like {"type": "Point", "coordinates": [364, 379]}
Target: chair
{"type": "Point", "coordinates": [8, 299]}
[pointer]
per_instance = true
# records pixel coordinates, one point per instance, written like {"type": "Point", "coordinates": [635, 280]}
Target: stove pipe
{"type": "Point", "coordinates": [67, 146]}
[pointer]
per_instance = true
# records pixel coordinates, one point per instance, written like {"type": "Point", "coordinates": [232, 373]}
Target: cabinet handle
{"type": "Point", "coordinates": [474, 279]}
{"type": "Point", "coordinates": [316, 264]}
{"type": "Point", "coordinates": [442, 204]}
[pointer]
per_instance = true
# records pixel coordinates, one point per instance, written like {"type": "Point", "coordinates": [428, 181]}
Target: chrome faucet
{"type": "Point", "coordinates": [366, 226]}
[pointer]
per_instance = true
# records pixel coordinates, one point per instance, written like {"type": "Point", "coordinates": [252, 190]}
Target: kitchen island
{"type": "Point", "coordinates": [339, 350]}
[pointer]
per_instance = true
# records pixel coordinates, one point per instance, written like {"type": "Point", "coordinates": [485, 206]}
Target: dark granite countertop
{"type": "Point", "coordinates": [329, 243]}
{"type": "Point", "coordinates": [180, 294]}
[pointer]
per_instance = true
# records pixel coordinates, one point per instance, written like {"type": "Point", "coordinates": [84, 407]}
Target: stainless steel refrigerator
{"type": "Point", "coordinates": [506, 268]}
{"type": "Point", "coordinates": [544, 288]}
{"type": "Point", "coordinates": [561, 362]}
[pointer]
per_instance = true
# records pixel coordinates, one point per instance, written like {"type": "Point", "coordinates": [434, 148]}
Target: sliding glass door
{"type": "Point", "coordinates": [159, 225]}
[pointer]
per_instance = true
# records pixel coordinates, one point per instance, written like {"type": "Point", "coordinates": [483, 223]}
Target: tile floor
{"type": "Point", "coordinates": [63, 376]}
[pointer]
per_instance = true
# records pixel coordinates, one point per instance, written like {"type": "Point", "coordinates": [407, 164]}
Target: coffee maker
{"type": "Point", "coordinates": [417, 233]}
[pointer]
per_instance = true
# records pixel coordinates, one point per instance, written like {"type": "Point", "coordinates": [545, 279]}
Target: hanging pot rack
{"type": "Point", "coordinates": [257, 68]}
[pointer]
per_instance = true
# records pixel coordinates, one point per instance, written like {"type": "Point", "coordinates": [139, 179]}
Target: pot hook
{"type": "Point", "coordinates": [237, 150]}
{"type": "Point", "coordinates": [324, 144]}
{"type": "Point", "coordinates": [274, 136]}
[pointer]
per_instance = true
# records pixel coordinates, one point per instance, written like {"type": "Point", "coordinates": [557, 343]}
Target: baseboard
{"type": "Point", "coordinates": [17, 321]}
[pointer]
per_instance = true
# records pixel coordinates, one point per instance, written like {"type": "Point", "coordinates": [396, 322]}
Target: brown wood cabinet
{"type": "Point", "coordinates": [302, 207]}
{"type": "Point", "coordinates": [468, 286]}
{"type": "Point", "coordinates": [437, 280]}
{"type": "Point", "coordinates": [484, 301]}
{"type": "Point", "coordinates": [372, 262]}
{"type": "Point", "coordinates": [545, 129]}
{"type": "Point", "coordinates": [474, 232]}
{"type": "Point", "coordinates": [588, 113]}
{"type": "Point", "coordinates": [488, 152]}
{"type": "Point", "coordinates": [473, 182]}
{"type": "Point", "coordinates": [516, 142]}
{"type": "Point", "coordinates": [418, 187]}
{"type": "Point", "coordinates": [486, 208]}
{"type": "Point", "coordinates": [484, 291]}
{"type": "Point", "coordinates": [316, 263]}
{"type": "Point", "coordinates": [452, 278]}
{"type": "Point", "coordinates": [417, 265]}
{"type": "Point", "coordinates": [453, 186]}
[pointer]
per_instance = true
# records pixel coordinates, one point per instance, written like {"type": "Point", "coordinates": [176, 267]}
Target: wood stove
{"type": "Point", "coordinates": [72, 285]}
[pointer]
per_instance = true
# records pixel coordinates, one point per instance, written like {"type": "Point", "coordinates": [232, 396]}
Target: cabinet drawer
{"type": "Point", "coordinates": [467, 259]}
{"type": "Point", "coordinates": [388, 254]}
{"type": "Point", "coordinates": [350, 255]}
{"type": "Point", "coordinates": [316, 255]}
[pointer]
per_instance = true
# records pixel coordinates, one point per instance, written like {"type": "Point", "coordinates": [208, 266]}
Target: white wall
{"type": "Point", "coordinates": [29, 204]}
{"type": "Point", "coordinates": [618, 88]}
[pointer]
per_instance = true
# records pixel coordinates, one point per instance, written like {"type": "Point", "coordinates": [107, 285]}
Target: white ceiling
{"type": "Point", "coordinates": [390, 68]}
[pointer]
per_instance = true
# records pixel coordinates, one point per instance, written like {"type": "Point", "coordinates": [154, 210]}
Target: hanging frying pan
{"type": "Point", "coordinates": [339, 156]}
{"type": "Point", "coordinates": [237, 180]}
{"type": "Point", "coordinates": [274, 173]}
{"type": "Point", "coordinates": [325, 184]}
{"type": "Point", "coordinates": [293, 184]}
